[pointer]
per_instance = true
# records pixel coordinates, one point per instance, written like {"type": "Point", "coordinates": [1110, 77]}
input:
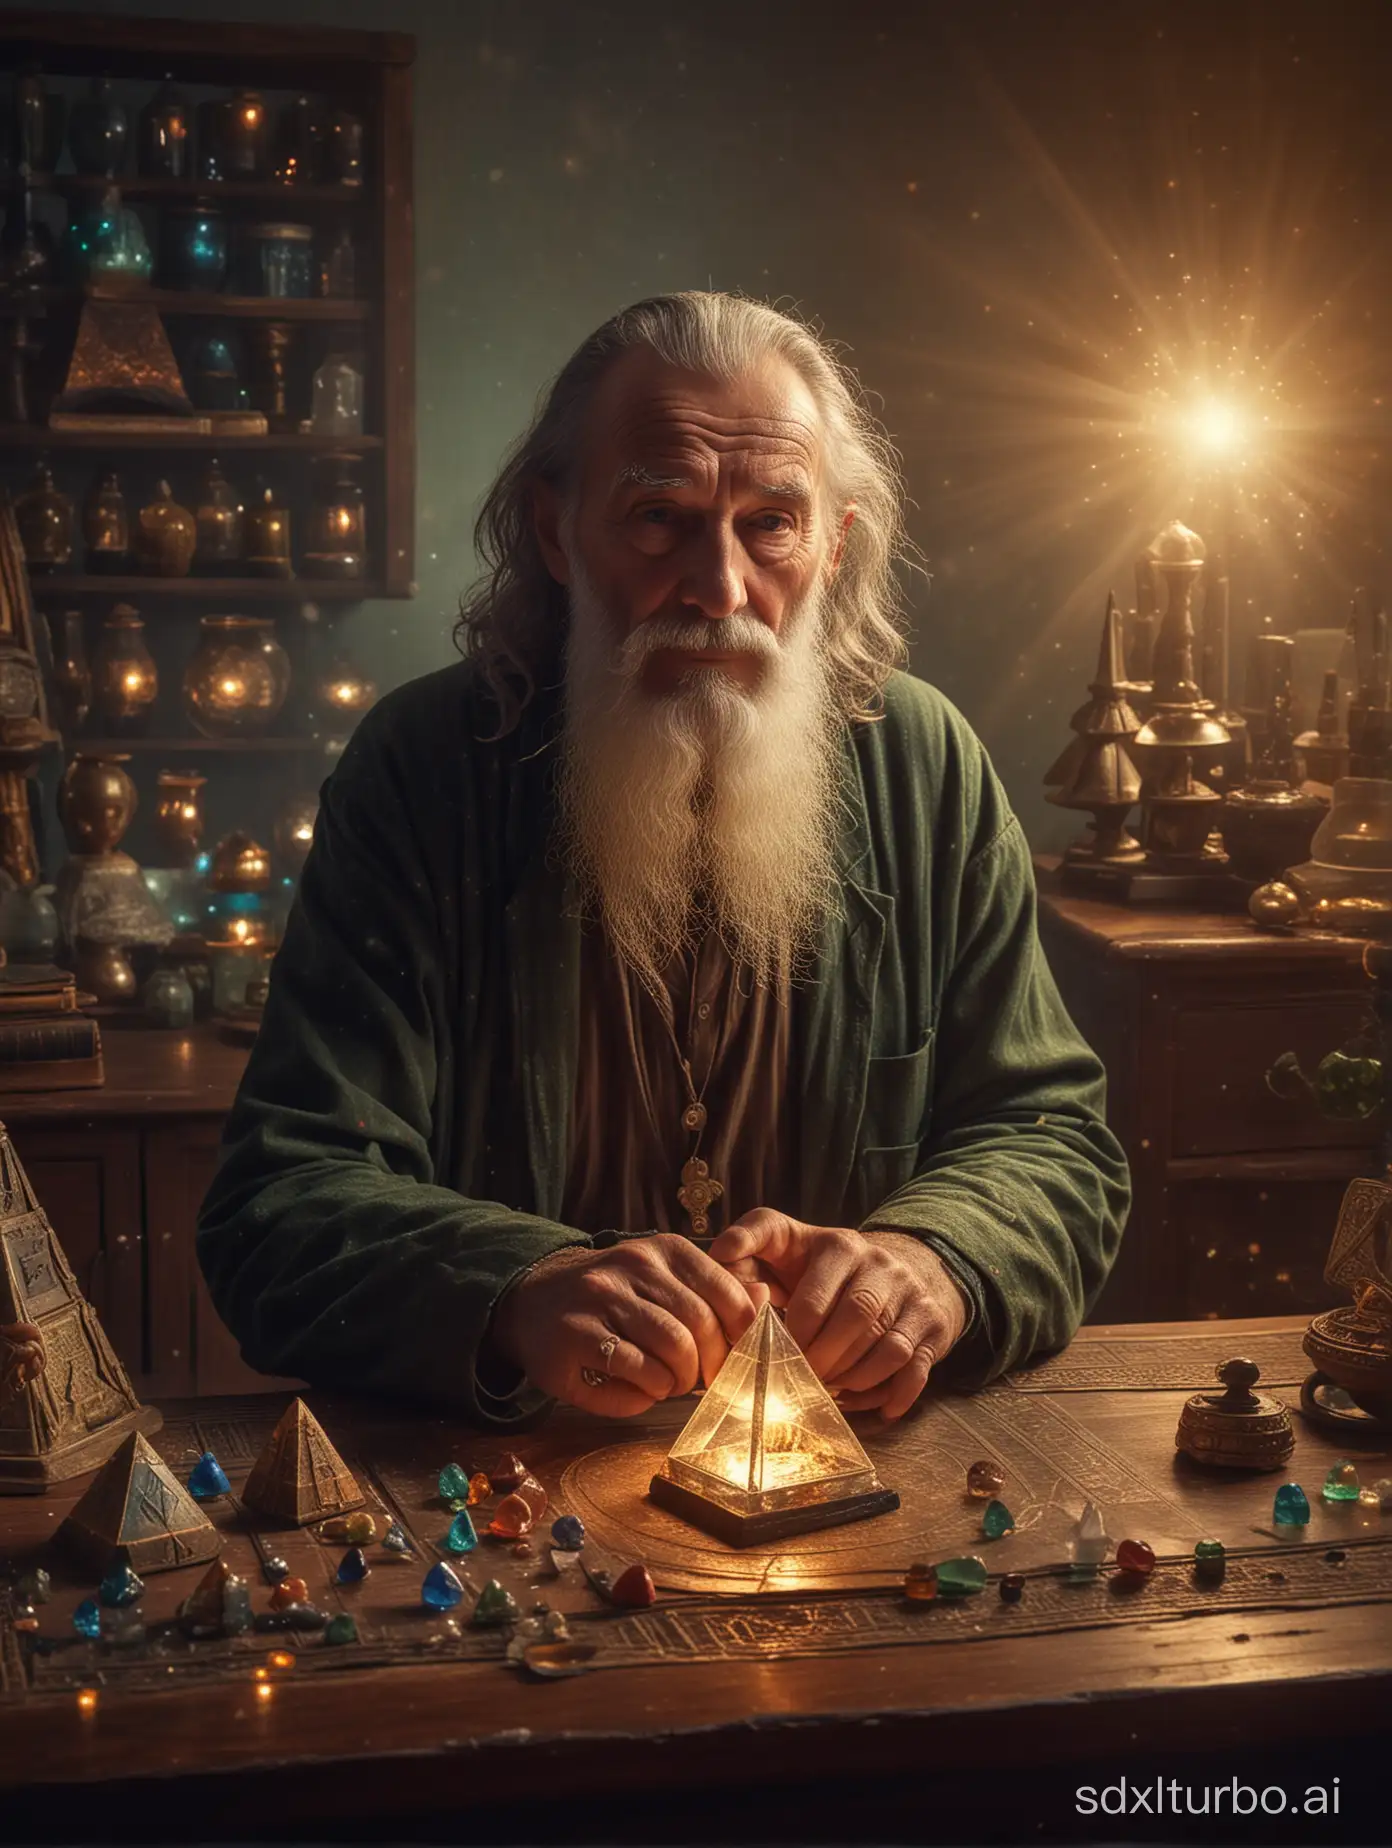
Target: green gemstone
{"type": "Point", "coordinates": [495, 1604]}
{"type": "Point", "coordinates": [454, 1483]}
{"type": "Point", "coordinates": [959, 1577]}
{"type": "Point", "coordinates": [341, 1629]}
{"type": "Point", "coordinates": [1210, 1560]}
{"type": "Point", "coordinates": [1341, 1484]}
{"type": "Point", "coordinates": [997, 1521]}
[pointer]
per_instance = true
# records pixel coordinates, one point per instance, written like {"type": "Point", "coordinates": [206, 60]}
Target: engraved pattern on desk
{"type": "Point", "coordinates": [1159, 1363]}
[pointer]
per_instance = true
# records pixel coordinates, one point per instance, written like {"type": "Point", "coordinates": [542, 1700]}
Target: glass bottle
{"type": "Point", "coordinates": [336, 536]}
{"type": "Point", "coordinates": [45, 521]}
{"type": "Point", "coordinates": [193, 247]}
{"type": "Point", "coordinates": [165, 535]}
{"type": "Point", "coordinates": [245, 136]}
{"type": "Point", "coordinates": [218, 518]}
{"type": "Point", "coordinates": [338, 267]}
{"type": "Point", "coordinates": [179, 815]}
{"type": "Point", "coordinates": [266, 530]}
{"type": "Point", "coordinates": [164, 143]}
{"type": "Point", "coordinates": [106, 527]}
{"type": "Point", "coordinates": [273, 342]}
{"type": "Point", "coordinates": [237, 678]}
{"type": "Point", "coordinates": [343, 148]}
{"type": "Point", "coordinates": [167, 999]}
{"type": "Point", "coordinates": [299, 156]}
{"type": "Point", "coordinates": [125, 679]}
{"type": "Point", "coordinates": [97, 131]}
{"type": "Point", "coordinates": [72, 673]}
{"type": "Point", "coordinates": [336, 407]}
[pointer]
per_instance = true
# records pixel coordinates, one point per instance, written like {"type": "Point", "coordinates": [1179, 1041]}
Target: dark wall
{"type": "Point", "coordinates": [1015, 218]}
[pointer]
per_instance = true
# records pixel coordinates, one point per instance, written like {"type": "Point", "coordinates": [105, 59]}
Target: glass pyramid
{"type": "Point", "coordinates": [768, 1436]}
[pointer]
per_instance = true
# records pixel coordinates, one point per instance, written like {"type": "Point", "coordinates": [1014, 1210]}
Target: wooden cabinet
{"type": "Point", "coordinates": [1236, 1189]}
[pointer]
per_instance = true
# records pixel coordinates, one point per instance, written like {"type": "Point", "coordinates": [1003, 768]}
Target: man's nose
{"type": "Point", "coordinates": [713, 581]}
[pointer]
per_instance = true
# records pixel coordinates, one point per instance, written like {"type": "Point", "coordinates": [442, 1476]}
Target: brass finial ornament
{"type": "Point", "coordinates": [1095, 772]}
{"type": "Point", "coordinates": [1352, 1346]}
{"type": "Point", "coordinates": [1238, 1428]}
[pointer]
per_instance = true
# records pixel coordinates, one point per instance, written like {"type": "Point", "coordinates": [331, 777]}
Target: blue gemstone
{"type": "Point", "coordinates": [462, 1537]}
{"type": "Point", "coordinates": [569, 1533]}
{"type": "Point", "coordinates": [353, 1567]}
{"type": "Point", "coordinates": [120, 1586]}
{"type": "Point", "coordinates": [395, 1540]}
{"type": "Point", "coordinates": [1291, 1508]}
{"type": "Point", "coordinates": [441, 1590]}
{"type": "Point", "coordinates": [207, 1480]}
{"type": "Point", "coordinates": [86, 1619]}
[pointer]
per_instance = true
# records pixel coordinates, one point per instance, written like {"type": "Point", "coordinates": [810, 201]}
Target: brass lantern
{"type": "Point", "coordinates": [336, 541]}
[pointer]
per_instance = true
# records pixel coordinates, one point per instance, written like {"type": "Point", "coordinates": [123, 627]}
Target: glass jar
{"type": "Point", "coordinates": [45, 521]}
{"type": "Point", "coordinates": [277, 260]}
{"type": "Point", "coordinates": [299, 143]}
{"type": "Point", "coordinates": [106, 527]}
{"type": "Point", "coordinates": [193, 247]}
{"type": "Point", "coordinates": [237, 679]}
{"type": "Point", "coordinates": [168, 999]}
{"type": "Point", "coordinates": [125, 680]}
{"type": "Point", "coordinates": [164, 143]}
{"type": "Point", "coordinates": [343, 148]}
{"type": "Point", "coordinates": [338, 267]}
{"type": "Point", "coordinates": [243, 137]}
{"type": "Point", "coordinates": [97, 131]}
{"type": "Point", "coordinates": [336, 535]}
{"type": "Point", "coordinates": [336, 405]}
{"type": "Point", "coordinates": [105, 242]}
{"type": "Point", "coordinates": [266, 541]}
{"type": "Point", "coordinates": [165, 535]}
{"type": "Point", "coordinates": [179, 815]}
{"type": "Point", "coordinates": [218, 519]}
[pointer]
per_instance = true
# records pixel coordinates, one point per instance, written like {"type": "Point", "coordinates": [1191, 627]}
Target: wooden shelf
{"type": "Point", "coordinates": [295, 442]}
{"type": "Point", "coordinates": [108, 747]}
{"type": "Point", "coordinates": [201, 589]}
{"type": "Point", "coordinates": [232, 307]}
{"type": "Point", "coordinates": [133, 186]}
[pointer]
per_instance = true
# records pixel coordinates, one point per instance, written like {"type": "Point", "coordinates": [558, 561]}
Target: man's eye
{"type": "Point", "coordinates": [774, 522]}
{"type": "Point", "coordinates": [658, 516]}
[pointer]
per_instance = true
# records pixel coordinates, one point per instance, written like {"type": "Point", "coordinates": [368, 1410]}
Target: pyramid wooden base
{"type": "Point", "coordinates": [35, 1475]}
{"type": "Point", "coordinates": [757, 1529]}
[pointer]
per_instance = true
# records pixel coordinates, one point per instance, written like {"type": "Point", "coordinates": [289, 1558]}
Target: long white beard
{"type": "Point", "coordinates": [712, 791]}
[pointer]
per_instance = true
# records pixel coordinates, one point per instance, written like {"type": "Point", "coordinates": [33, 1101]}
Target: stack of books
{"type": "Point", "coordinates": [46, 1044]}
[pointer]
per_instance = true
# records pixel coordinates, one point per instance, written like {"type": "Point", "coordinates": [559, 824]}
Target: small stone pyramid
{"type": "Point", "coordinates": [135, 1506]}
{"type": "Point", "coordinates": [77, 1412]}
{"type": "Point", "coordinates": [299, 1477]}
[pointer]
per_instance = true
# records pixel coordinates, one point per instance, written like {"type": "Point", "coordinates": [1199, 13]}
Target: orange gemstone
{"type": "Point", "coordinates": [480, 1488]}
{"type": "Point", "coordinates": [921, 1583]}
{"type": "Point", "coordinates": [634, 1588]}
{"type": "Point", "coordinates": [289, 1591]}
{"type": "Point", "coordinates": [511, 1518]}
{"type": "Point", "coordinates": [533, 1494]}
{"type": "Point", "coordinates": [507, 1472]}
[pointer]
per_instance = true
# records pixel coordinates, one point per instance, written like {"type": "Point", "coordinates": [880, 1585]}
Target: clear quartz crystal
{"type": "Point", "coordinates": [1088, 1541]}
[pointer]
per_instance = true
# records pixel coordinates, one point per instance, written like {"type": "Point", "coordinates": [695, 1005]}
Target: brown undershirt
{"type": "Point", "coordinates": [628, 1143]}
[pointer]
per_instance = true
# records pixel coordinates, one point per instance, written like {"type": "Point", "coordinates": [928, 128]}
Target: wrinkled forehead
{"type": "Point", "coordinates": [654, 422]}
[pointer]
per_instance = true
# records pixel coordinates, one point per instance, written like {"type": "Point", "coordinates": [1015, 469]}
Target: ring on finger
{"type": "Point", "coordinates": [593, 1377]}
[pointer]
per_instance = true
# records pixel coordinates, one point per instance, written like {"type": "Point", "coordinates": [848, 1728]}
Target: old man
{"type": "Point", "coordinates": [672, 950]}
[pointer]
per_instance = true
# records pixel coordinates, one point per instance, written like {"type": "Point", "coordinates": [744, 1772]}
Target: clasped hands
{"type": "Point", "coordinates": [872, 1311]}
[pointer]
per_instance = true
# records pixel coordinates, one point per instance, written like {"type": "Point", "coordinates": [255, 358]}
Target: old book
{"type": "Point", "coordinates": [50, 1074]}
{"type": "Point", "coordinates": [73, 1037]}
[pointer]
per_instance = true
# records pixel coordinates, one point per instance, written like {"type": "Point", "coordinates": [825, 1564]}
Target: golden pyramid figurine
{"type": "Point", "coordinates": [299, 1477]}
{"type": "Point", "coordinates": [136, 1504]}
{"type": "Point", "coordinates": [1352, 1346]}
{"type": "Point", "coordinates": [767, 1452]}
{"type": "Point", "coordinates": [70, 1414]}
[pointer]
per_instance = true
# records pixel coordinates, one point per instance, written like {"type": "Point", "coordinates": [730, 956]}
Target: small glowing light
{"type": "Point", "coordinates": [281, 1660]}
{"type": "Point", "coordinates": [259, 1674]}
{"type": "Point", "coordinates": [264, 1691]}
{"type": "Point", "coordinates": [231, 688]}
{"type": "Point", "coordinates": [87, 1699]}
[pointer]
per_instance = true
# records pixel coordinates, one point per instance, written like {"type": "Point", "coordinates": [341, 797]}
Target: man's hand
{"type": "Point", "coordinates": [873, 1311]}
{"type": "Point", "coordinates": [670, 1311]}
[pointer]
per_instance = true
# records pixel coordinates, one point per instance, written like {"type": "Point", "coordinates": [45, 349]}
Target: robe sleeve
{"type": "Point", "coordinates": [1021, 1187]}
{"type": "Point", "coordinates": [331, 1250]}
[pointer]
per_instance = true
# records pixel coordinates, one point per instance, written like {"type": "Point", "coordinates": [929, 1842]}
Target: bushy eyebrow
{"type": "Point", "coordinates": [635, 474]}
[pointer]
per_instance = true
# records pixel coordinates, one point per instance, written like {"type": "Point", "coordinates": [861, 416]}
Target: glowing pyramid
{"type": "Point", "coordinates": [767, 1452]}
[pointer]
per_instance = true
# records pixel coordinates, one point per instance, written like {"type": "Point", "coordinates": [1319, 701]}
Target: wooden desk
{"type": "Point", "coordinates": [1236, 1190]}
{"type": "Point", "coordinates": [121, 1171]}
{"type": "Point", "coordinates": [914, 1722]}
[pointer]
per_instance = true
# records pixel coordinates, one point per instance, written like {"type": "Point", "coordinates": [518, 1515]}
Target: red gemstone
{"type": "Point", "coordinates": [1136, 1557]}
{"type": "Point", "coordinates": [634, 1587]}
{"type": "Point", "coordinates": [507, 1472]}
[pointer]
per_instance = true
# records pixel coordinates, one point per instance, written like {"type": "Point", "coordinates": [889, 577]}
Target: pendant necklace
{"type": "Point", "coordinates": [699, 1189]}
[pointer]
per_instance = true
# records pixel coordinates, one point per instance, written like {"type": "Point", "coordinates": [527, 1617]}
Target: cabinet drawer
{"type": "Point", "coordinates": [1222, 1105]}
{"type": "Point", "coordinates": [1256, 1247]}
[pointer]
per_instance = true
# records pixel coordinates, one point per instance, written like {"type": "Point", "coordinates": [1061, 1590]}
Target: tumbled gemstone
{"type": "Point", "coordinates": [480, 1488]}
{"type": "Point", "coordinates": [1290, 1509]}
{"type": "Point", "coordinates": [1341, 1484]}
{"type": "Point", "coordinates": [521, 1549]}
{"type": "Point", "coordinates": [1088, 1540]}
{"type": "Point", "coordinates": [634, 1588]}
{"type": "Point", "coordinates": [357, 1529]}
{"type": "Point", "coordinates": [24, 1618]}
{"type": "Point", "coordinates": [200, 1614]}
{"type": "Point", "coordinates": [293, 1617]}
{"type": "Point", "coordinates": [507, 1472]}
{"type": "Point", "coordinates": [453, 1482]}
{"type": "Point", "coordinates": [353, 1567]}
{"type": "Point", "coordinates": [997, 1521]}
{"type": "Point", "coordinates": [341, 1629]}
{"type": "Point", "coordinates": [289, 1591]}
{"type": "Point", "coordinates": [921, 1583]}
{"type": "Point", "coordinates": [495, 1604]}
{"type": "Point", "coordinates": [563, 1559]}
{"type": "Point", "coordinates": [440, 1589]}
{"type": "Point", "coordinates": [1136, 1558]}
{"type": "Point", "coordinates": [1210, 1561]}
{"type": "Point", "coordinates": [86, 1619]}
{"type": "Point", "coordinates": [207, 1479]}
{"type": "Point", "coordinates": [1382, 1489]}
{"type": "Point", "coordinates": [958, 1577]}
{"type": "Point", "coordinates": [511, 1518]}
{"type": "Point", "coordinates": [1012, 1587]}
{"type": "Point", "coordinates": [985, 1479]}
{"type": "Point", "coordinates": [462, 1536]}
{"type": "Point", "coordinates": [120, 1586]}
{"type": "Point", "coordinates": [395, 1539]}
{"type": "Point", "coordinates": [568, 1531]}
{"type": "Point", "coordinates": [236, 1607]}
{"type": "Point", "coordinates": [533, 1494]}
{"type": "Point", "coordinates": [36, 1587]}
{"type": "Point", "coordinates": [274, 1569]}
{"type": "Point", "coordinates": [556, 1627]}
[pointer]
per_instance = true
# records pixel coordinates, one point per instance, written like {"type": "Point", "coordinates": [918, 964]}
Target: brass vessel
{"type": "Point", "coordinates": [1238, 1428]}
{"type": "Point", "coordinates": [1352, 1346]}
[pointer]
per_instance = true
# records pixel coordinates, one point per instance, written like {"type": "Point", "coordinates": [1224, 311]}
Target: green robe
{"type": "Point", "coordinates": [397, 1150]}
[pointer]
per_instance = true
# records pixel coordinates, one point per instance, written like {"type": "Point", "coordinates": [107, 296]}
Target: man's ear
{"type": "Point", "coordinates": [546, 520]}
{"type": "Point", "coordinates": [842, 536]}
